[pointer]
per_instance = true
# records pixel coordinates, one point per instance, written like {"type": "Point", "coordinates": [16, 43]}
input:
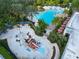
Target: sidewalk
{"type": "Point", "coordinates": [57, 51]}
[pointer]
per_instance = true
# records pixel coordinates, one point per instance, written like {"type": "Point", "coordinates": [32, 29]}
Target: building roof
{"type": "Point", "coordinates": [73, 23]}
{"type": "Point", "coordinates": [72, 47]}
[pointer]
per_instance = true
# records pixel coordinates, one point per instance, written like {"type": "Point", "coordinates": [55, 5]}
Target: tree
{"type": "Point", "coordinates": [75, 4]}
{"type": "Point", "coordinates": [65, 2]}
{"type": "Point", "coordinates": [56, 20]}
{"type": "Point", "coordinates": [5, 6]}
{"type": "Point", "coordinates": [10, 12]}
{"type": "Point", "coordinates": [2, 25]}
{"type": "Point", "coordinates": [61, 40]}
{"type": "Point", "coordinates": [52, 2]}
{"type": "Point", "coordinates": [39, 2]}
{"type": "Point", "coordinates": [40, 29]}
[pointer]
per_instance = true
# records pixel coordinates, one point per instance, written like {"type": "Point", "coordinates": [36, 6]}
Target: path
{"type": "Point", "coordinates": [57, 51]}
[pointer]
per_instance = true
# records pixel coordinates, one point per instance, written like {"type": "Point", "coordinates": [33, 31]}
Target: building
{"type": "Point", "coordinates": [72, 47]}
{"type": "Point", "coordinates": [72, 24]}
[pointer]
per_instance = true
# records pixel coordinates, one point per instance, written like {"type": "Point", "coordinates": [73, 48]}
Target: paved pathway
{"type": "Point", "coordinates": [57, 51]}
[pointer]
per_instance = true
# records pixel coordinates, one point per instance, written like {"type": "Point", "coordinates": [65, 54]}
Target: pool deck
{"type": "Point", "coordinates": [20, 48]}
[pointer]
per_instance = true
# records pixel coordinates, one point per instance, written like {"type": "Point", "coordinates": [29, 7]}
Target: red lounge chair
{"type": "Point", "coordinates": [33, 45]}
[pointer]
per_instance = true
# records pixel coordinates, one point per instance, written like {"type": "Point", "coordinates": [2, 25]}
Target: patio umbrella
{"type": "Point", "coordinates": [63, 25]}
{"type": "Point", "coordinates": [65, 22]}
{"type": "Point", "coordinates": [59, 30]}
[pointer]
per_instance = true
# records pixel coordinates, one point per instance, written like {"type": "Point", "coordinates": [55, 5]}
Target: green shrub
{"type": "Point", "coordinates": [40, 29]}
{"type": "Point", "coordinates": [4, 50]}
{"type": "Point", "coordinates": [55, 21]}
{"type": "Point", "coordinates": [61, 40]}
{"type": "Point", "coordinates": [5, 53]}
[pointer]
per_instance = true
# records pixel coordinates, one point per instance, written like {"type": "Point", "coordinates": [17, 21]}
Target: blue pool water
{"type": "Point", "coordinates": [41, 50]}
{"type": "Point", "coordinates": [48, 16]}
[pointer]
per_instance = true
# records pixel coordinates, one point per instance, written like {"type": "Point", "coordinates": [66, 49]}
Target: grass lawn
{"type": "Point", "coordinates": [5, 53]}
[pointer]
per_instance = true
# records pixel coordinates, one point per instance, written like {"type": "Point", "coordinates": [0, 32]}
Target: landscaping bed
{"type": "Point", "coordinates": [61, 40]}
{"type": "Point", "coordinates": [5, 51]}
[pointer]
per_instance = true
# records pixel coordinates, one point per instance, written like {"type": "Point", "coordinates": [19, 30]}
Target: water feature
{"type": "Point", "coordinates": [48, 15]}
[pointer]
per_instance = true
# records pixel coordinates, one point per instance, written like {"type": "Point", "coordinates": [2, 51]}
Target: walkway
{"type": "Point", "coordinates": [49, 29]}
{"type": "Point", "coordinates": [57, 51]}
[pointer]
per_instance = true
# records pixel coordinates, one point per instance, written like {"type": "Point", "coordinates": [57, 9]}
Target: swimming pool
{"type": "Point", "coordinates": [48, 16]}
{"type": "Point", "coordinates": [41, 50]}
